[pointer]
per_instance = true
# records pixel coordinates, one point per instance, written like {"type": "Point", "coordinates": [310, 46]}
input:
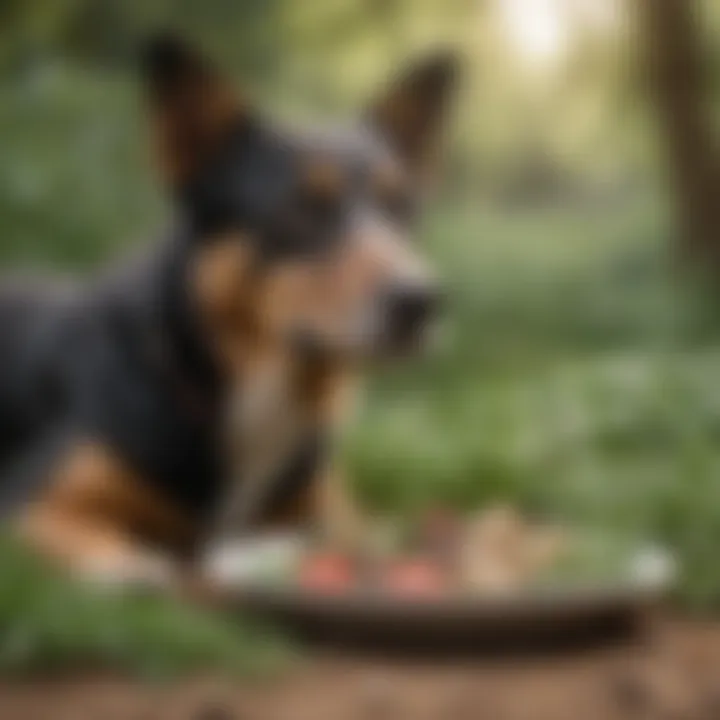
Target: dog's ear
{"type": "Point", "coordinates": [412, 112]}
{"type": "Point", "coordinates": [192, 106]}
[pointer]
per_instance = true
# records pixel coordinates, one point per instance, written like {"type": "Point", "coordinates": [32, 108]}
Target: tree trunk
{"type": "Point", "coordinates": [672, 44]}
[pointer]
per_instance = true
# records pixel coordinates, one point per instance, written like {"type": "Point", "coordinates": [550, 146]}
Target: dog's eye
{"type": "Point", "coordinates": [312, 219]}
{"type": "Point", "coordinates": [320, 206]}
{"type": "Point", "coordinates": [322, 187]}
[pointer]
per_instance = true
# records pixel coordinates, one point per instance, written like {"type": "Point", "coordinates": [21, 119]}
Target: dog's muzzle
{"type": "Point", "coordinates": [407, 311]}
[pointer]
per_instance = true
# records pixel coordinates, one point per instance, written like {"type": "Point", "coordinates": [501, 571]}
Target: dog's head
{"type": "Point", "coordinates": [306, 235]}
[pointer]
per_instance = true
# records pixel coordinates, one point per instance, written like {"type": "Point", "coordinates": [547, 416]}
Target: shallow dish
{"type": "Point", "coordinates": [541, 619]}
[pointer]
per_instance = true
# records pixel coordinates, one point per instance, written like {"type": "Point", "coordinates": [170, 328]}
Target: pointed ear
{"type": "Point", "coordinates": [192, 106]}
{"type": "Point", "coordinates": [412, 113]}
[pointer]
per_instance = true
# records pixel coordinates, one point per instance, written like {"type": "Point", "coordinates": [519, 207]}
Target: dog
{"type": "Point", "coordinates": [198, 390]}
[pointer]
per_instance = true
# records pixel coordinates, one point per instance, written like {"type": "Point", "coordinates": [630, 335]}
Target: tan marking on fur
{"type": "Point", "coordinates": [323, 298]}
{"type": "Point", "coordinates": [288, 294]}
{"type": "Point", "coordinates": [224, 288]}
{"type": "Point", "coordinates": [323, 179]}
{"type": "Point", "coordinates": [281, 401]}
{"type": "Point", "coordinates": [388, 179]}
{"type": "Point", "coordinates": [336, 510]}
{"type": "Point", "coordinates": [95, 489]}
{"type": "Point", "coordinates": [329, 388]}
{"type": "Point", "coordinates": [279, 397]}
{"type": "Point", "coordinates": [328, 505]}
{"type": "Point", "coordinates": [260, 416]}
{"type": "Point", "coordinates": [382, 254]}
{"type": "Point", "coordinates": [333, 297]}
{"type": "Point", "coordinates": [332, 391]}
{"type": "Point", "coordinates": [93, 548]}
{"type": "Point", "coordinates": [249, 314]}
{"type": "Point", "coordinates": [329, 391]}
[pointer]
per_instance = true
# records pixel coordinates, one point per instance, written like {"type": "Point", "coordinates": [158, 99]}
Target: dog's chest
{"type": "Point", "coordinates": [267, 425]}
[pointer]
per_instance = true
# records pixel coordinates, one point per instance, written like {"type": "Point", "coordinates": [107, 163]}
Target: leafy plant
{"type": "Point", "coordinates": [48, 623]}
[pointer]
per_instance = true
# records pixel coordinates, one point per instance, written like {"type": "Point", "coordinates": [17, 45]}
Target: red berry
{"type": "Point", "coordinates": [415, 578]}
{"type": "Point", "coordinates": [327, 572]}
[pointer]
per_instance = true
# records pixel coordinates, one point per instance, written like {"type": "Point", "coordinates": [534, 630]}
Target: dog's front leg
{"type": "Point", "coordinates": [92, 516]}
{"type": "Point", "coordinates": [337, 512]}
{"type": "Point", "coordinates": [94, 549]}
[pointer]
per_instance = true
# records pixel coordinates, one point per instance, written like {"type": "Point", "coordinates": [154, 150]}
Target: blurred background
{"type": "Point", "coordinates": [577, 227]}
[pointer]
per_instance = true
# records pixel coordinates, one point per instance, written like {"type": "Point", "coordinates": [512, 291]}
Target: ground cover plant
{"type": "Point", "coordinates": [578, 380]}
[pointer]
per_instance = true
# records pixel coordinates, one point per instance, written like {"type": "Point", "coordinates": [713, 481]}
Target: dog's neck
{"type": "Point", "coordinates": [269, 402]}
{"type": "Point", "coordinates": [211, 345]}
{"type": "Point", "coordinates": [194, 326]}
{"type": "Point", "coordinates": [185, 350]}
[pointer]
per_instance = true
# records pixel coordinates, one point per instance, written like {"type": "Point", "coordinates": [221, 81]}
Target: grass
{"type": "Point", "coordinates": [49, 624]}
{"type": "Point", "coordinates": [580, 379]}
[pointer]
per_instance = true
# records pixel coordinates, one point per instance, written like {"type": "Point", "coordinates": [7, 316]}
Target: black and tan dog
{"type": "Point", "coordinates": [198, 389]}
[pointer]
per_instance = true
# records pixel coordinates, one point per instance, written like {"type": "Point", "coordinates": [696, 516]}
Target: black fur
{"type": "Point", "coordinates": [123, 361]}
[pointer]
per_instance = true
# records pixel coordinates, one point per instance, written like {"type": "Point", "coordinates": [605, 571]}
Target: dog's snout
{"type": "Point", "coordinates": [409, 308]}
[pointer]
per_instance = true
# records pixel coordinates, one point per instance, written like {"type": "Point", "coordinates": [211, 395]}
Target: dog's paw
{"type": "Point", "coordinates": [140, 572]}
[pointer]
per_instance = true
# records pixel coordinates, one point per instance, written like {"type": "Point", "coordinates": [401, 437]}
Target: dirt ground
{"type": "Point", "coordinates": [673, 675]}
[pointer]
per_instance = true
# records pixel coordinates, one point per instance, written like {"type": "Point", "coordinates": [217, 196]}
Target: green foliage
{"type": "Point", "coordinates": [580, 380]}
{"type": "Point", "coordinates": [581, 121]}
{"type": "Point", "coordinates": [581, 383]}
{"type": "Point", "coordinates": [74, 182]}
{"type": "Point", "coordinates": [50, 624]}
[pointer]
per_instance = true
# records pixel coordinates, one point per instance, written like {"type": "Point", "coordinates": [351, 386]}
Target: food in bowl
{"type": "Point", "coordinates": [496, 551]}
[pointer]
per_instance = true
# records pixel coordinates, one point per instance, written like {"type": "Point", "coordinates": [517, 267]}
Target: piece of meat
{"type": "Point", "coordinates": [328, 573]}
{"type": "Point", "coordinates": [502, 552]}
{"type": "Point", "coordinates": [415, 578]}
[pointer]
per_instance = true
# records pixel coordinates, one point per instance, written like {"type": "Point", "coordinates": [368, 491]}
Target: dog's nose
{"type": "Point", "coordinates": [409, 308]}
